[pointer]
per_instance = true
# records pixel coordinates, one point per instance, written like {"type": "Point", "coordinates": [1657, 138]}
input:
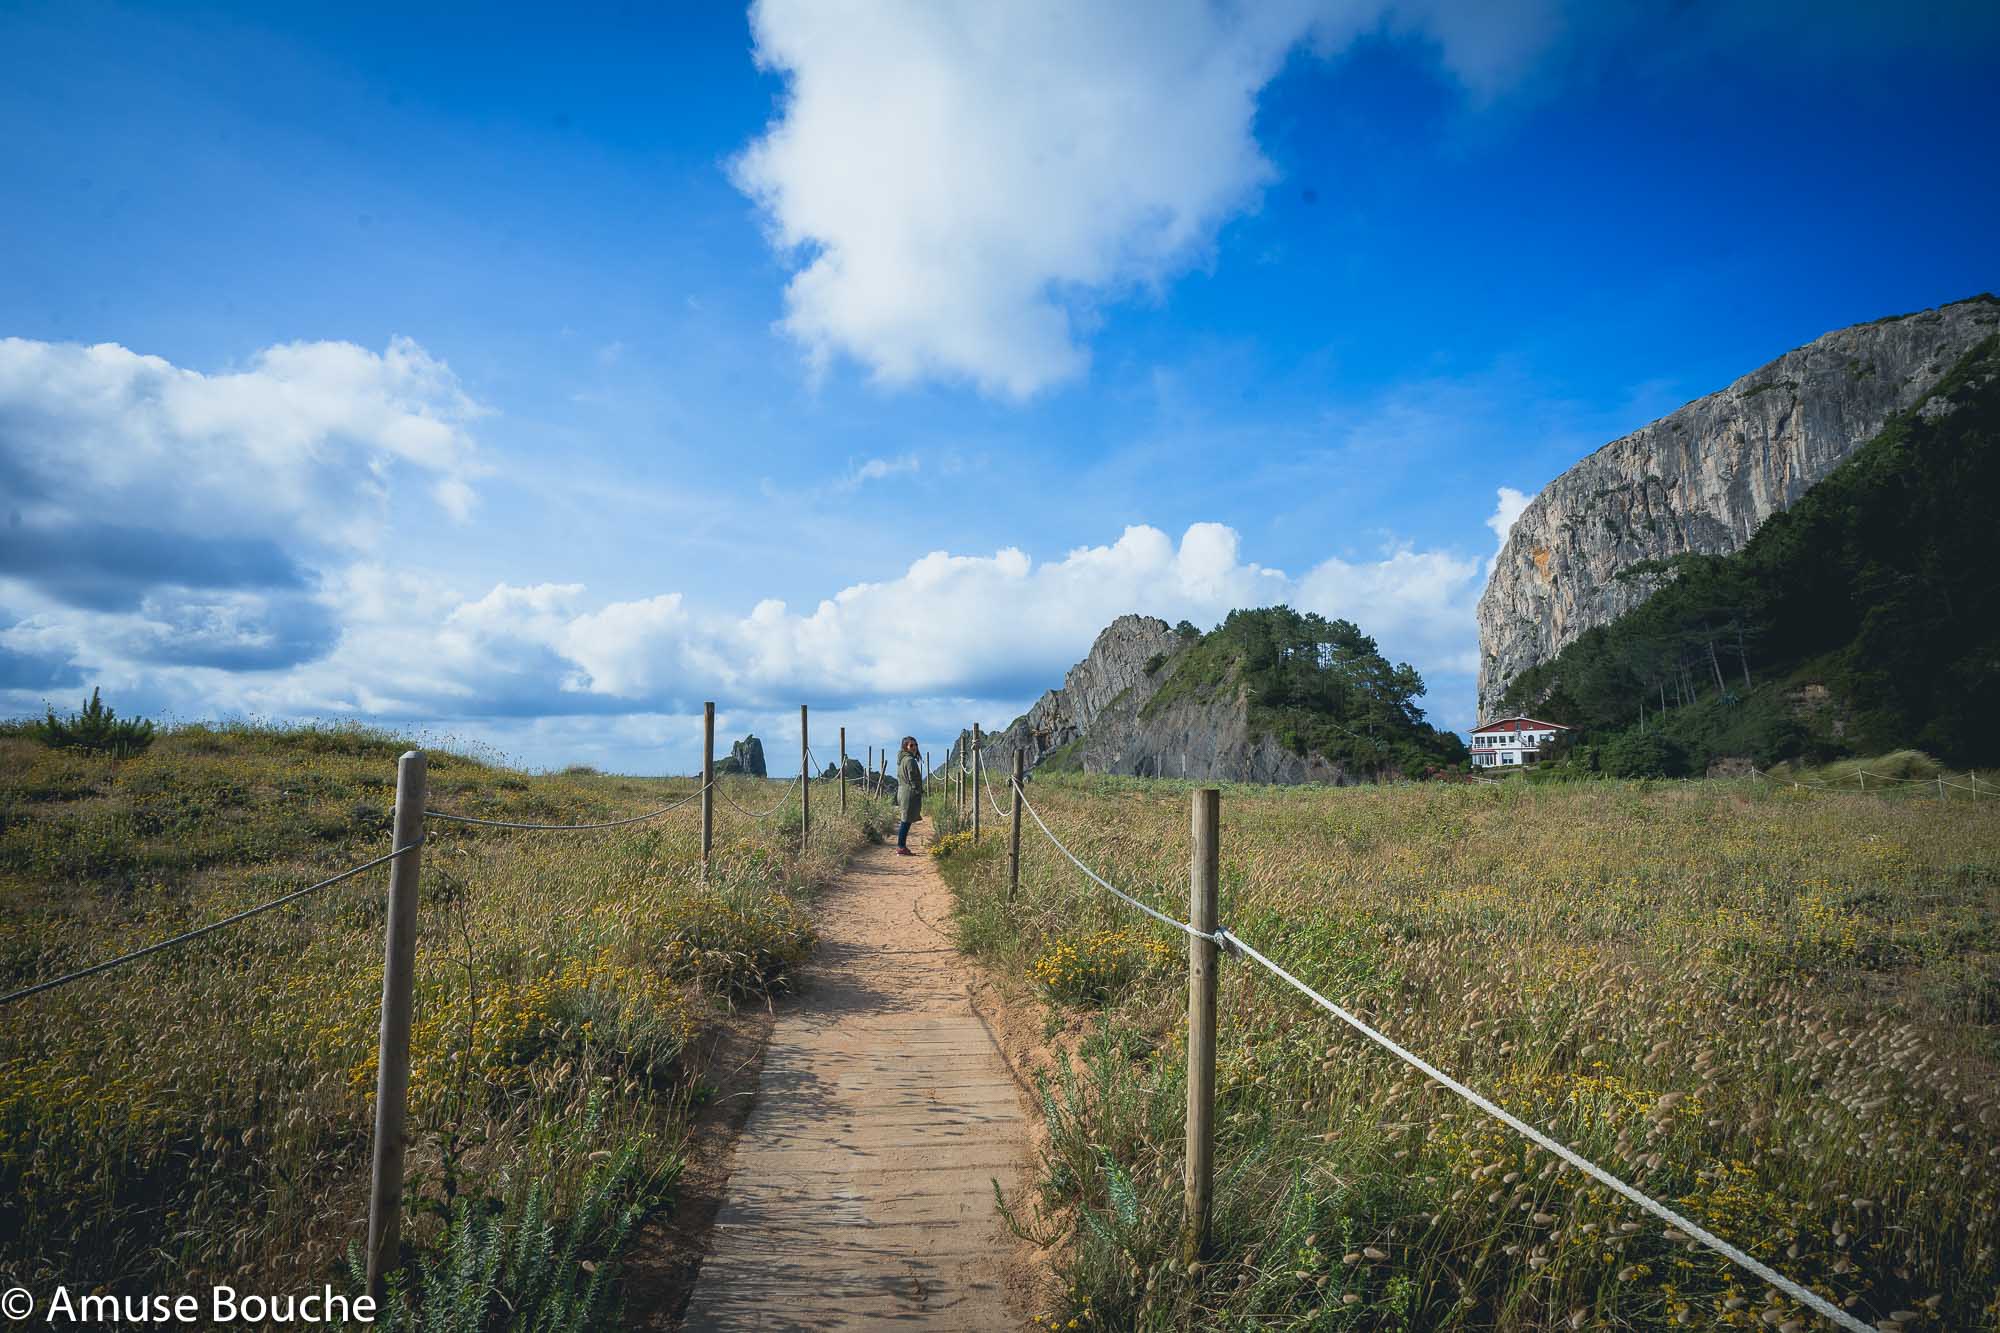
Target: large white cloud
{"type": "Point", "coordinates": [303, 442]}
{"type": "Point", "coordinates": [155, 514]}
{"type": "Point", "coordinates": [960, 180]}
{"type": "Point", "coordinates": [209, 543]}
{"type": "Point", "coordinates": [998, 626]}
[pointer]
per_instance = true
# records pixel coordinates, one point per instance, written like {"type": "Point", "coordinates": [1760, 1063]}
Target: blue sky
{"type": "Point", "coordinates": [530, 378]}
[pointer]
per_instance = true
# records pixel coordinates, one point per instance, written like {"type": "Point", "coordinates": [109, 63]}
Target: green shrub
{"type": "Point", "coordinates": [96, 728]}
{"type": "Point", "coordinates": [509, 1263]}
{"type": "Point", "coordinates": [1091, 968]}
{"type": "Point", "coordinates": [740, 944]}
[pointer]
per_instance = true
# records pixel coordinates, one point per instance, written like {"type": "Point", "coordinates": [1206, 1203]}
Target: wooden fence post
{"type": "Point", "coordinates": [843, 770]}
{"type": "Point", "coordinates": [392, 1066]}
{"type": "Point", "coordinates": [707, 784]}
{"type": "Point", "coordinates": [805, 785]}
{"type": "Point", "coordinates": [1203, 877]}
{"type": "Point", "coordinates": [1014, 827]}
{"type": "Point", "coordinates": [975, 782]}
{"type": "Point", "coordinates": [868, 774]}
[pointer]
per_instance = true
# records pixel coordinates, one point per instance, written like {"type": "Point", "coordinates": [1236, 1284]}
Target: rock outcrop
{"type": "Point", "coordinates": [1702, 479]}
{"type": "Point", "coordinates": [1099, 722]}
{"type": "Point", "coordinates": [859, 778]}
{"type": "Point", "coordinates": [1116, 665]}
{"type": "Point", "coordinates": [745, 756]}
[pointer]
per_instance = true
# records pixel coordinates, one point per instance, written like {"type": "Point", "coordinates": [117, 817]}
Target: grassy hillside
{"type": "Point", "coordinates": [206, 1113]}
{"type": "Point", "coordinates": [1776, 1011]}
{"type": "Point", "coordinates": [1318, 686]}
{"type": "Point", "coordinates": [1866, 618]}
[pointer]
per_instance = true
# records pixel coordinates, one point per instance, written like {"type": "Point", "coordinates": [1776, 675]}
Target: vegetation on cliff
{"type": "Point", "coordinates": [1319, 686]}
{"type": "Point", "coordinates": [1863, 619]}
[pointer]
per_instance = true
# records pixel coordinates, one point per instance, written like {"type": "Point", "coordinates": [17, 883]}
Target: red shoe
{"type": "Point", "coordinates": [904, 851]}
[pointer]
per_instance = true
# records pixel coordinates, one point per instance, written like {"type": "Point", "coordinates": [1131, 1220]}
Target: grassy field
{"type": "Point", "coordinates": [1776, 1011]}
{"type": "Point", "coordinates": [206, 1114]}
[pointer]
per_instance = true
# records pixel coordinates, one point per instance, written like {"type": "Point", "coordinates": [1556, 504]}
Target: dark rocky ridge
{"type": "Point", "coordinates": [745, 756]}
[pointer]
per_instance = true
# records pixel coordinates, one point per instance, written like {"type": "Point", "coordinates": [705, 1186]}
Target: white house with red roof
{"type": "Point", "coordinates": [1512, 741]}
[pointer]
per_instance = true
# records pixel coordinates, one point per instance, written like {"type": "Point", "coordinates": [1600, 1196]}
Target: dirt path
{"type": "Point", "coordinates": [863, 1187]}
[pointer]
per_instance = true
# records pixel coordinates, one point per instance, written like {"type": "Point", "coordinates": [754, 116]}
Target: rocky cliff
{"type": "Point", "coordinates": [1104, 720]}
{"type": "Point", "coordinates": [1703, 479]}
{"type": "Point", "coordinates": [745, 757]}
{"type": "Point", "coordinates": [1116, 663]}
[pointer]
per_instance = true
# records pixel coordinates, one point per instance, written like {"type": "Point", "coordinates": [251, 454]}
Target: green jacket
{"type": "Point", "coordinates": [909, 788]}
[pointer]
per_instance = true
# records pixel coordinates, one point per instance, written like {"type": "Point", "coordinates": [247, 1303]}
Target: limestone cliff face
{"type": "Point", "coordinates": [1206, 740]}
{"type": "Point", "coordinates": [1115, 665]}
{"type": "Point", "coordinates": [1101, 711]}
{"type": "Point", "coordinates": [1702, 479]}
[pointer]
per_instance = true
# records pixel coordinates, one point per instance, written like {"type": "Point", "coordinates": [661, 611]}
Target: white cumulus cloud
{"type": "Point", "coordinates": [1507, 507]}
{"type": "Point", "coordinates": [959, 181]}
{"type": "Point", "coordinates": [995, 626]}
{"type": "Point", "coordinates": [152, 514]}
{"type": "Point", "coordinates": [304, 441]}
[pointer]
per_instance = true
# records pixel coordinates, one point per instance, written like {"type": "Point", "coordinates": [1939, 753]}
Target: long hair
{"type": "Point", "coordinates": [909, 745]}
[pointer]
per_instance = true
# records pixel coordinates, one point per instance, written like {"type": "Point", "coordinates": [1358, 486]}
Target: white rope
{"type": "Point", "coordinates": [1819, 1304]}
{"type": "Point", "coordinates": [993, 800]}
{"type": "Point", "coordinates": [1103, 883]}
{"type": "Point", "coordinates": [812, 765]}
{"type": "Point", "coordinates": [1230, 943]}
{"type": "Point", "coordinates": [783, 801]}
{"type": "Point", "coordinates": [1903, 782]}
{"type": "Point", "coordinates": [199, 931]}
{"type": "Point", "coordinates": [564, 828]}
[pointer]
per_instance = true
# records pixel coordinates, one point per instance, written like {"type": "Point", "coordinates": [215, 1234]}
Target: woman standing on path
{"type": "Point", "coordinates": [909, 793]}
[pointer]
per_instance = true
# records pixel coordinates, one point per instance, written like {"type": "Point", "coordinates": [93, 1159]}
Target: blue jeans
{"type": "Point", "coordinates": [903, 834]}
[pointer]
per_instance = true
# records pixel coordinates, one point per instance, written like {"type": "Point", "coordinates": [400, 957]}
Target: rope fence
{"type": "Point", "coordinates": [994, 801]}
{"type": "Point", "coordinates": [407, 840]}
{"type": "Point", "coordinates": [965, 773]}
{"type": "Point", "coordinates": [1206, 945]}
{"type": "Point", "coordinates": [1863, 776]}
{"type": "Point", "coordinates": [566, 828]}
{"type": "Point", "coordinates": [199, 931]}
{"type": "Point", "coordinates": [791, 790]}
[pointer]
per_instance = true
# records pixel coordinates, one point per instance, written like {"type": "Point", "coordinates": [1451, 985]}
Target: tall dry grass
{"type": "Point", "coordinates": [206, 1113]}
{"type": "Point", "coordinates": [1774, 1011]}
